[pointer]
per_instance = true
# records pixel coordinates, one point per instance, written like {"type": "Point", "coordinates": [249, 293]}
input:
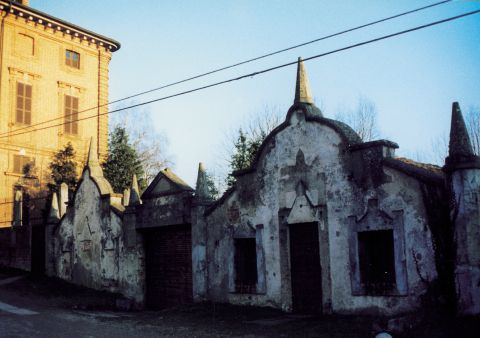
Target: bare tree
{"type": "Point", "coordinates": [252, 132]}
{"type": "Point", "coordinates": [150, 144]}
{"type": "Point", "coordinates": [363, 119]}
{"type": "Point", "coordinates": [439, 145]}
{"type": "Point", "coordinates": [260, 125]}
{"type": "Point", "coordinates": [437, 152]}
{"type": "Point", "coordinates": [472, 120]}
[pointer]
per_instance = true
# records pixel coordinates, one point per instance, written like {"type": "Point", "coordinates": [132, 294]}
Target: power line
{"type": "Point", "coordinates": [235, 65]}
{"type": "Point", "coordinates": [258, 72]}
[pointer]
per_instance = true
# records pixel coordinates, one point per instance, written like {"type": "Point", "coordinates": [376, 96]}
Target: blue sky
{"type": "Point", "coordinates": [412, 79]}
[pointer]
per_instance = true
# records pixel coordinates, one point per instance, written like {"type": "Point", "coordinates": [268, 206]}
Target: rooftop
{"type": "Point", "coordinates": [50, 22]}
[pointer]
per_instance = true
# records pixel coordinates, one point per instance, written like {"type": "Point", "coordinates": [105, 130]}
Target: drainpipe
{"type": "Point", "coordinates": [98, 100]}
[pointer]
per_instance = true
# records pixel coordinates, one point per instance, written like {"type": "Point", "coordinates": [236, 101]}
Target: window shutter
{"type": "Point", "coordinates": [20, 106]}
{"type": "Point", "coordinates": [28, 105]}
{"type": "Point", "coordinates": [67, 113]}
{"type": "Point", "coordinates": [19, 113]}
{"type": "Point", "coordinates": [71, 114]}
{"type": "Point", "coordinates": [23, 112]}
{"type": "Point", "coordinates": [75, 115]}
{"type": "Point", "coordinates": [17, 165]}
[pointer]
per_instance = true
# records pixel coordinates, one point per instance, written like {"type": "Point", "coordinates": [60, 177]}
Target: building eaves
{"type": "Point", "coordinates": [44, 19]}
{"type": "Point", "coordinates": [176, 180]}
{"type": "Point", "coordinates": [428, 173]}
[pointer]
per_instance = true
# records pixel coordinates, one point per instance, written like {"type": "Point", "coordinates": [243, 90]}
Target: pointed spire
{"type": "Point", "coordinates": [126, 197]}
{"type": "Point", "coordinates": [134, 192]}
{"type": "Point", "coordinates": [62, 205]}
{"type": "Point", "coordinates": [460, 150]}
{"type": "Point", "coordinates": [201, 189]}
{"type": "Point", "coordinates": [302, 89]}
{"type": "Point", "coordinates": [94, 164]}
{"type": "Point", "coordinates": [92, 153]}
{"type": "Point", "coordinates": [459, 140]}
{"type": "Point", "coordinates": [54, 213]}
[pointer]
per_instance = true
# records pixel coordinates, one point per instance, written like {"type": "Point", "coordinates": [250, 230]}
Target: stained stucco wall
{"type": "Point", "coordinates": [90, 246]}
{"type": "Point", "coordinates": [465, 184]}
{"type": "Point", "coordinates": [315, 154]}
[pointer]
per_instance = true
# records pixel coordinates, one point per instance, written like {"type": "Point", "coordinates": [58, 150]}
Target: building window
{"type": "Point", "coordinates": [19, 163]}
{"type": "Point", "coordinates": [245, 265]}
{"type": "Point", "coordinates": [72, 59]}
{"type": "Point", "coordinates": [24, 45]}
{"type": "Point", "coordinates": [24, 103]}
{"type": "Point", "coordinates": [376, 260]}
{"type": "Point", "coordinates": [71, 114]}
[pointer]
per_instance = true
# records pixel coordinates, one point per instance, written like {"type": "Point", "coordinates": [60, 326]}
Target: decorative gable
{"type": "Point", "coordinates": [166, 183]}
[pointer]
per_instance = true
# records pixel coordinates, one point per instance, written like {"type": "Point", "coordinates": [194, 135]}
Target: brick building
{"type": "Point", "coordinates": [50, 70]}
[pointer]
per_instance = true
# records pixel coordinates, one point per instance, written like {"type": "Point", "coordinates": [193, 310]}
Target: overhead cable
{"type": "Point", "coordinates": [236, 64]}
{"type": "Point", "coordinates": [251, 75]}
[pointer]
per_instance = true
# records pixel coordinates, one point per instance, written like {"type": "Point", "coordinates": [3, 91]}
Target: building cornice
{"type": "Point", "coordinates": [48, 21]}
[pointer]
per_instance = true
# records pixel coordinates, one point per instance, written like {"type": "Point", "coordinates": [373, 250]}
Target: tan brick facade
{"type": "Point", "coordinates": [47, 64]}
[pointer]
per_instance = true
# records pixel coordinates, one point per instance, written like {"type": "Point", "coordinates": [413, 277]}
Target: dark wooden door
{"type": "Point", "coordinates": [168, 266]}
{"type": "Point", "coordinates": [305, 268]}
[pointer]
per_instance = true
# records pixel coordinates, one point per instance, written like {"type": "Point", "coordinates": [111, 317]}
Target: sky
{"type": "Point", "coordinates": [412, 79]}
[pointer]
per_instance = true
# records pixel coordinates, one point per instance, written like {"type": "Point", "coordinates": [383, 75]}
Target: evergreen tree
{"type": "Point", "coordinates": [122, 162]}
{"type": "Point", "coordinates": [245, 150]}
{"type": "Point", "coordinates": [212, 188]}
{"type": "Point", "coordinates": [63, 168]}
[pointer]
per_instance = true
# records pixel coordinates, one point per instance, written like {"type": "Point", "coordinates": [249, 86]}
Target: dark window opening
{"type": "Point", "coordinates": [245, 265]}
{"type": "Point", "coordinates": [72, 59]}
{"type": "Point", "coordinates": [377, 264]}
{"type": "Point", "coordinates": [24, 103]}
{"type": "Point", "coordinates": [71, 114]}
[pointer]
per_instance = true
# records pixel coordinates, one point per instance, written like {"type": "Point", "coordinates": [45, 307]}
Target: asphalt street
{"type": "Point", "coordinates": [44, 307]}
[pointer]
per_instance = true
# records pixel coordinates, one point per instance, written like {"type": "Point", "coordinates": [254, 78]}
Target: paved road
{"type": "Point", "coordinates": [27, 316]}
{"type": "Point", "coordinates": [43, 307]}
{"type": "Point", "coordinates": [50, 308]}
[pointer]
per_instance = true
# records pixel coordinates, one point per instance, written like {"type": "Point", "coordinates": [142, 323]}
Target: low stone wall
{"type": "Point", "coordinates": [15, 248]}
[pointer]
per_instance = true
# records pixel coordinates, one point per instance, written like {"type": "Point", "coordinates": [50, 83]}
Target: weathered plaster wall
{"type": "Point", "coordinates": [199, 253]}
{"type": "Point", "coordinates": [164, 210]}
{"type": "Point", "coordinates": [466, 188]}
{"type": "Point", "coordinates": [90, 247]}
{"type": "Point", "coordinates": [401, 194]}
{"type": "Point", "coordinates": [316, 155]}
{"type": "Point", "coordinates": [261, 197]}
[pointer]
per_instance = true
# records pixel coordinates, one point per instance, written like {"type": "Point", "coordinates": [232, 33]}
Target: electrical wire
{"type": "Point", "coordinates": [251, 75]}
{"type": "Point", "coordinates": [236, 64]}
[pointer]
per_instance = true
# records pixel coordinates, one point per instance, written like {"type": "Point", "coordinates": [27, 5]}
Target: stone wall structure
{"type": "Point", "coordinates": [313, 172]}
{"type": "Point", "coordinates": [90, 244]}
{"type": "Point", "coordinates": [463, 172]}
{"type": "Point", "coordinates": [322, 222]}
